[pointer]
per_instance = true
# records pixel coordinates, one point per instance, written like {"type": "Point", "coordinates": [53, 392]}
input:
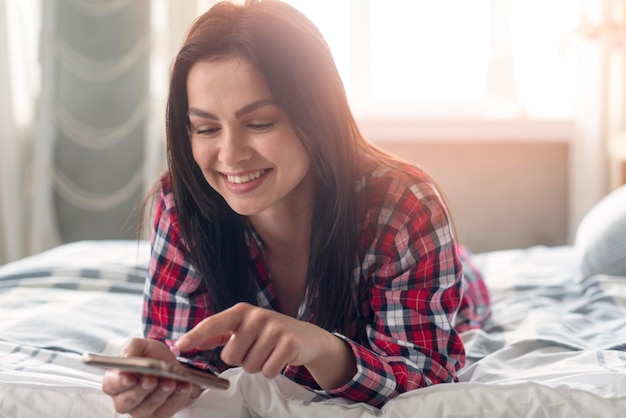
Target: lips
{"type": "Point", "coordinates": [246, 177]}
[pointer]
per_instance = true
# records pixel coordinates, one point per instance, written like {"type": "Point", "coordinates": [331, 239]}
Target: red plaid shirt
{"type": "Point", "coordinates": [413, 296]}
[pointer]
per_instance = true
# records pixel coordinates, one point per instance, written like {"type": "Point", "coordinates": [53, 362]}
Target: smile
{"type": "Point", "coordinates": [245, 178]}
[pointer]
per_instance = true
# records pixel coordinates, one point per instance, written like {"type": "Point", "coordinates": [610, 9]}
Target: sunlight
{"type": "Point", "coordinates": [24, 23]}
{"type": "Point", "coordinates": [332, 18]}
{"type": "Point", "coordinates": [425, 52]}
{"type": "Point", "coordinates": [545, 76]}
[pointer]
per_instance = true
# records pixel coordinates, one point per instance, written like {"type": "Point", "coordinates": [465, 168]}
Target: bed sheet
{"type": "Point", "coordinates": [554, 345]}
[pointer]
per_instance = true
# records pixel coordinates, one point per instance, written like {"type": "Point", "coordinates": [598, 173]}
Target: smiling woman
{"type": "Point", "coordinates": [284, 242]}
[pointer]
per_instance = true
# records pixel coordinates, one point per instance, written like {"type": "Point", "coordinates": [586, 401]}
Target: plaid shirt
{"type": "Point", "coordinates": [413, 298]}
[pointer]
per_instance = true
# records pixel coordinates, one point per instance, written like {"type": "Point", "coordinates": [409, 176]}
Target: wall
{"type": "Point", "coordinates": [503, 193]}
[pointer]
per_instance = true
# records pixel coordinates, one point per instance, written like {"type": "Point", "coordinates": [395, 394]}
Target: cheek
{"type": "Point", "coordinates": [201, 155]}
{"type": "Point", "coordinates": [203, 158]}
{"type": "Point", "coordinates": [299, 157]}
{"type": "Point", "coordinates": [194, 151]}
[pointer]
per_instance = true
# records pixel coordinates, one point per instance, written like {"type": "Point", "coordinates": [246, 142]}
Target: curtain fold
{"type": "Point", "coordinates": [94, 118]}
{"type": "Point", "coordinates": [601, 78]}
{"type": "Point", "coordinates": [18, 84]}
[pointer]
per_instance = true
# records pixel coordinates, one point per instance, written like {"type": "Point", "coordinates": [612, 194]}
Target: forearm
{"type": "Point", "coordinates": [380, 378]}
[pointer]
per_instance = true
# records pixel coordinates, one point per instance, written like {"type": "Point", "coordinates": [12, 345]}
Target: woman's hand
{"type": "Point", "coordinates": [261, 340]}
{"type": "Point", "coordinates": [143, 395]}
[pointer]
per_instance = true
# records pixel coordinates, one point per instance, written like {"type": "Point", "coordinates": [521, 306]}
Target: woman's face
{"type": "Point", "coordinates": [243, 141]}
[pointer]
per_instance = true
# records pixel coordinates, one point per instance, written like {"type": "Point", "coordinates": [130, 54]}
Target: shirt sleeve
{"type": "Point", "coordinates": [414, 276]}
{"type": "Point", "coordinates": [174, 299]}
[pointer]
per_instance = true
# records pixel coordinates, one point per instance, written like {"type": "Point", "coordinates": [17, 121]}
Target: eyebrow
{"type": "Point", "coordinates": [251, 107]}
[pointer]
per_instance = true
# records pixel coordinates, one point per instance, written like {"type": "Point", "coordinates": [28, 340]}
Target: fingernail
{"type": "Point", "coordinates": [167, 388]}
{"type": "Point", "coordinates": [147, 384]}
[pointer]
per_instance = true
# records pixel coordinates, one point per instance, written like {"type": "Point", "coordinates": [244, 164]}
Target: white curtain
{"type": "Point", "coordinates": [96, 147]}
{"type": "Point", "coordinates": [19, 81]}
{"type": "Point", "coordinates": [36, 194]}
{"type": "Point", "coordinates": [600, 104]}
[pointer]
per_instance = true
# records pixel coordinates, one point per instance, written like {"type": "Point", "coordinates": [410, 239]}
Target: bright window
{"type": "Point", "coordinates": [452, 57]}
{"type": "Point", "coordinates": [422, 52]}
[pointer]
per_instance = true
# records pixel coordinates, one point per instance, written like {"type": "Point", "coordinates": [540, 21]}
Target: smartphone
{"type": "Point", "coordinates": [159, 368]}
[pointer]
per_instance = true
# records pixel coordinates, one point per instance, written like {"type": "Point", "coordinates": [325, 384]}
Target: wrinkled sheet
{"type": "Point", "coordinates": [554, 346]}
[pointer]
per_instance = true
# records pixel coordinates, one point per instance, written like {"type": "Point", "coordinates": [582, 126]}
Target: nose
{"type": "Point", "coordinates": [234, 148]}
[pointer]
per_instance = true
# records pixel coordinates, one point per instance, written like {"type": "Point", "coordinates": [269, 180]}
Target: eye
{"type": "Point", "coordinates": [261, 126]}
{"type": "Point", "coordinates": [207, 131]}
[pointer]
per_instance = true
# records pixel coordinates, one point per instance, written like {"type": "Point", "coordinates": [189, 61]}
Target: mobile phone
{"type": "Point", "coordinates": [159, 368]}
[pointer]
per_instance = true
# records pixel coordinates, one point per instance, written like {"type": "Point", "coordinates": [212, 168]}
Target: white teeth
{"type": "Point", "coordinates": [246, 178]}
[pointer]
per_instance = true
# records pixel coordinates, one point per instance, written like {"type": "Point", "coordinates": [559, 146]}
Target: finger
{"type": "Point", "coordinates": [131, 399]}
{"type": "Point", "coordinates": [256, 357]}
{"type": "Point", "coordinates": [177, 399]}
{"type": "Point", "coordinates": [156, 399]}
{"type": "Point", "coordinates": [252, 344]}
{"type": "Point", "coordinates": [213, 342]}
{"type": "Point", "coordinates": [281, 355]}
{"type": "Point", "coordinates": [115, 382]}
{"type": "Point", "coordinates": [213, 331]}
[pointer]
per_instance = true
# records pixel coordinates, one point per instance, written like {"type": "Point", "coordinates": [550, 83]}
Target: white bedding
{"type": "Point", "coordinates": [554, 347]}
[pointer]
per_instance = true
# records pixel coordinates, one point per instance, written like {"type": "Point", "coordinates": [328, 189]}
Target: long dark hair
{"type": "Point", "coordinates": [295, 62]}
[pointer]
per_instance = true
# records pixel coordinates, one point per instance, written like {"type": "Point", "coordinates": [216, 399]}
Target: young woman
{"type": "Point", "coordinates": [283, 241]}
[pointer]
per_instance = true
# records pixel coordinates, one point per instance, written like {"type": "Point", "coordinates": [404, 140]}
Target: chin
{"type": "Point", "coordinates": [245, 210]}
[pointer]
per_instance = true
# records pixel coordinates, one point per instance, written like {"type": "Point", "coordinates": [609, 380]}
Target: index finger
{"type": "Point", "coordinates": [213, 331]}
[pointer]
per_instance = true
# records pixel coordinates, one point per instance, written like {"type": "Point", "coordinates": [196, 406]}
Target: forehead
{"type": "Point", "coordinates": [232, 77]}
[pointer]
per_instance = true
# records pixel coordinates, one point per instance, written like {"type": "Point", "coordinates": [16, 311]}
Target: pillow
{"type": "Point", "coordinates": [601, 236]}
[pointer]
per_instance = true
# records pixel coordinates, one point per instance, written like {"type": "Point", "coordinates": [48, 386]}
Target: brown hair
{"type": "Point", "coordinates": [291, 55]}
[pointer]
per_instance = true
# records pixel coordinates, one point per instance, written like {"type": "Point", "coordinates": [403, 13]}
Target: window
{"type": "Point", "coordinates": [452, 57]}
{"type": "Point", "coordinates": [23, 25]}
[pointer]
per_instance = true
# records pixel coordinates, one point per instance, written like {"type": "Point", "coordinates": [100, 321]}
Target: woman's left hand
{"type": "Point", "coordinates": [261, 340]}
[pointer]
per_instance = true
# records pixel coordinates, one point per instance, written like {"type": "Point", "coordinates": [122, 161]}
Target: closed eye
{"type": "Point", "coordinates": [261, 126]}
{"type": "Point", "coordinates": [209, 131]}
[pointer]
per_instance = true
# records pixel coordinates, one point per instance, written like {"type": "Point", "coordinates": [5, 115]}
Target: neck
{"type": "Point", "coordinates": [285, 229]}
{"type": "Point", "coordinates": [284, 235]}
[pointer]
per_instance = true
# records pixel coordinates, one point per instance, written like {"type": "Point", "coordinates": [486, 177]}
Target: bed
{"type": "Point", "coordinates": [555, 345]}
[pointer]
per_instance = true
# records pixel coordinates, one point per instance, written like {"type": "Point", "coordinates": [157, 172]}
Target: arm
{"type": "Point", "coordinates": [414, 276]}
{"type": "Point", "coordinates": [173, 305]}
{"type": "Point", "coordinates": [174, 301]}
{"type": "Point", "coordinates": [265, 341]}
{"type": "Point", "coordinates": [170, 277]}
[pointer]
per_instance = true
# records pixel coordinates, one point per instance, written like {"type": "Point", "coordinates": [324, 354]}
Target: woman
{"type": "Point", "coordinates": [284, 242]}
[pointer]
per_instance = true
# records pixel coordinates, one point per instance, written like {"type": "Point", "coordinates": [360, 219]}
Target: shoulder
{"type": "Point", "coordinates": [168, 249]}
{"type": "Point", "coordinates": [401, 191]}
{"type": "Point", "coordinates": [166, 194]}
{"type": "Point", "coordinates": [165, 221]}
{"type": "Point", "coordinates": [165, 210]}
{"type": "Point", "coordinates": [406, 233]}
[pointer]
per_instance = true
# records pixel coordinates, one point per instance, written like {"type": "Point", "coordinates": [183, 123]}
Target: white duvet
{"type": "Point", "coordinates": [554, 347]}
{"type": "Point", "coordinates": [255, 396]}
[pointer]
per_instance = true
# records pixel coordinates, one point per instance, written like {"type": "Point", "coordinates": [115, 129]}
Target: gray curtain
{"type": "Point", "coordinates": [94, 121]}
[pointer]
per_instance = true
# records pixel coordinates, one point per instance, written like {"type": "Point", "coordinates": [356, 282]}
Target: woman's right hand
{"type": "Point", "coordinates": [143, 395]}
